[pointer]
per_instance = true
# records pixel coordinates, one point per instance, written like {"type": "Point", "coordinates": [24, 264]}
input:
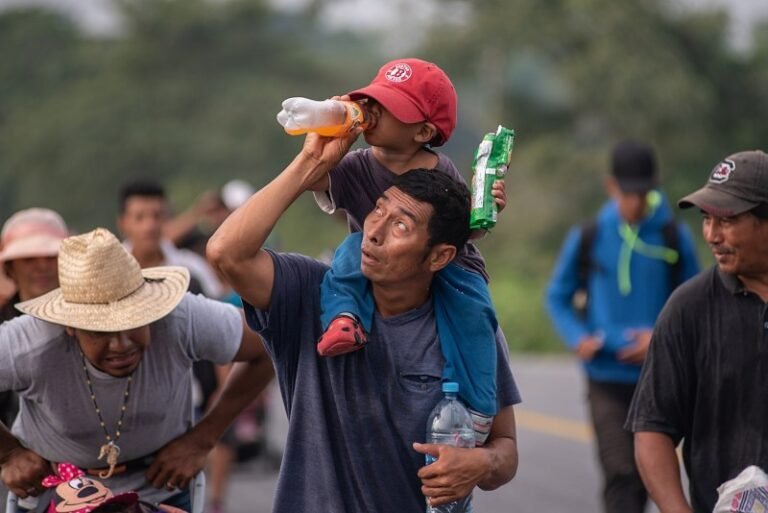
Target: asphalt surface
{"type": "Point", "coordinates": [558, 469]}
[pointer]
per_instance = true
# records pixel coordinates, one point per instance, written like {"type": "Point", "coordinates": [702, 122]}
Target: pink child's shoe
{"type": "Point", "coordinates": [344, 335]}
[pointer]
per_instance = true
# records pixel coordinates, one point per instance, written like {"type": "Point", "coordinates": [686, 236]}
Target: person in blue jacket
{"type": "Point", "coordinates": [611, 280]}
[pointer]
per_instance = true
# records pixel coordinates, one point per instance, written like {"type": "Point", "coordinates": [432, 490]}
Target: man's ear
{"type": "Point", "coordinates": [70, 331]}
{"type": "Point", "coordinates": [426, 133]}
{"type": "Point", "coordinates": [440, 256]}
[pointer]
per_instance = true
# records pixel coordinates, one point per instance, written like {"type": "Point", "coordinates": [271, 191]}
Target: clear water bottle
{"type": "Point", "coordinates": [450, 424]}
{"type": "Point", "coordinates": [330, 118]}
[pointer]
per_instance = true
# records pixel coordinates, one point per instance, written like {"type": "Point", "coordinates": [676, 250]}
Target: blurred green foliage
{"type": "Point", "coordinates": [188, 91]}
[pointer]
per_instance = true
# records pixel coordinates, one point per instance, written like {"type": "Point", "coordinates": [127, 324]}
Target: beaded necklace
{"type": "Point", "coordinates": [110, 450]}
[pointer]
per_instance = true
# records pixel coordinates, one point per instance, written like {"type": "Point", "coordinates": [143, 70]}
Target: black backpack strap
{"type": "Point", "coordinates": [672, 241]}
{"type": "Point", "coordinates": [585, 264]}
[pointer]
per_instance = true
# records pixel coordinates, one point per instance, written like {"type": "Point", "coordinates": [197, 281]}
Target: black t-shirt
{"type": "Point", "coordinates": [705, 381]}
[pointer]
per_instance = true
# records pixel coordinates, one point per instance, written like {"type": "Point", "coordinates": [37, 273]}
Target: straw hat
{"type": "Point", "coordinates": [34, 232]}
{"type": "Point", "coordinates": [104, 289]}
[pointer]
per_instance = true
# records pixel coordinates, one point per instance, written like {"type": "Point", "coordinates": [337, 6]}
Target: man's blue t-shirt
{"type": "Point", "coordinates": [353, 418]}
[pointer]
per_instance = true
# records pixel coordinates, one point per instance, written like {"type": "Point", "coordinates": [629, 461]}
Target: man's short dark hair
{"type": "Point", "coordinates": [449, 198]}
{"type": "Point", "coordinates": [144, 187]}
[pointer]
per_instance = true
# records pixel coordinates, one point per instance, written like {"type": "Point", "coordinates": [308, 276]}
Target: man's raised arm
{"type": "Point", "coordinates": [235, 250]}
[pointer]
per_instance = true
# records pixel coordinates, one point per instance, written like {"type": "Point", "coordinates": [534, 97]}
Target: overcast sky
{"type": "Point", "coordinates": [744, 13]}
{"type": "Point", "coordinates": [98, 17]}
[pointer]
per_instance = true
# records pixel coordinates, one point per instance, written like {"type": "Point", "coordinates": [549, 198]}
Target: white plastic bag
{"type": "Point", "coordinates": [745, 493]}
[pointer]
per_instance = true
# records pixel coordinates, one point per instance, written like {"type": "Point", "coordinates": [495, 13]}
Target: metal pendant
{"type": "Point", "coordinates": [111, 451]}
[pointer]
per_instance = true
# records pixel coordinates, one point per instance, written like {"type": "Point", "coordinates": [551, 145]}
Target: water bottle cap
{"type": "Point", "coordinates": [450, 387]}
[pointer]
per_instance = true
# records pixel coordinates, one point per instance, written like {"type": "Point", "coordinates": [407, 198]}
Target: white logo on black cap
{"type": "Point", "coordinates": [722, 171]}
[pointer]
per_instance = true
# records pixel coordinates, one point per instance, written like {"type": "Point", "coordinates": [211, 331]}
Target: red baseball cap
{"type": "Point", "coordinates": [414, 90]}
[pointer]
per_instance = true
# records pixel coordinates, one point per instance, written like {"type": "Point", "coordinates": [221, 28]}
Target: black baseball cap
{"type": "Point", "coordinates": [736, 185]}
{"type": "Point", "coordinates": [633, 165]}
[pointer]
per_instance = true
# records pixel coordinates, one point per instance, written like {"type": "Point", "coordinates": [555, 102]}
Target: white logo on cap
{"type": "Point", "coordinates": [398, 73]}
{"type": "Point", "coordinates": [722, 171]}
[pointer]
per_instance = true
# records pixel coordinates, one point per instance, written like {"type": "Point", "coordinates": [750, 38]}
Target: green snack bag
{"type": "Point", "coordinates": [490, 164]}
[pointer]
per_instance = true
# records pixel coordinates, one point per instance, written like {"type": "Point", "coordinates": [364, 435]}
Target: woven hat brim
{"type": "Point", "coordinates": [163, 289]}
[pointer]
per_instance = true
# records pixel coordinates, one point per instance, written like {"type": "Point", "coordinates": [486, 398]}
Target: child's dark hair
{"type": "Point", "coordinates": [449, 198]}
{"type": "Point", "coordinates": [144, 187]}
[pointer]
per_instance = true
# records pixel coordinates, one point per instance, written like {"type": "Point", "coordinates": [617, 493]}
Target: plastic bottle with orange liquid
{"type": "Point", "coordinates": [330, 118]}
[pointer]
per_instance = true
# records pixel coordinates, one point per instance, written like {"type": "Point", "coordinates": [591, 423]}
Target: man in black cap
{"type": "Point", "coordinates": [613, 276]}
{"type": "Point", "coordinates": [705, 379]}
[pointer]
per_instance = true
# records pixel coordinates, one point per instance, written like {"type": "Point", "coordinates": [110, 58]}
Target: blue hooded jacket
{"type": "Point", "coordinates": [627, 287]}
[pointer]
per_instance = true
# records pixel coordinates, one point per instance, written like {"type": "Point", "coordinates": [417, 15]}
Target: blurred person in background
{"type": "Point", "coordinates": [191, 230]}
{"type": "Point", "coordinates": [613, 276]}
{"type": "Point", "coordinates": [29, 245]}
{"type": "Point", "coordinates": [704, 381]}
{"type": "Point", "coordinates": [144, 209]}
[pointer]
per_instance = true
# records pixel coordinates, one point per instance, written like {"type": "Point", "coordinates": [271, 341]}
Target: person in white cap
{"type": "Point", "coordinates": [191, 228]}
{"type": "Point", "coordinates": [103, 369]}
{"type": "Point", "coordinates": [29, 244]}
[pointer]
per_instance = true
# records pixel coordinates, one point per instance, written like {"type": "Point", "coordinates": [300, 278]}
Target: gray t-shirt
{"type": "Point", "coordinates": [358, 181]}
{"type": "Point", "coordinates": [354, 417]}
{"type": "Point", "coordinates": [58, 420]}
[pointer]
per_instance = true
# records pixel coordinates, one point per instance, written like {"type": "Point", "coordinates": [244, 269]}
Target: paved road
{"type": "Point", "coordinates": [557, 463]}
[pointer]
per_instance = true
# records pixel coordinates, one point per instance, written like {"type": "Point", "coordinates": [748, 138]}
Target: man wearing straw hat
{"type": "Point", "coordinates": [356, 420]}
{"type": "Point", "coordinates": [103, 369]}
